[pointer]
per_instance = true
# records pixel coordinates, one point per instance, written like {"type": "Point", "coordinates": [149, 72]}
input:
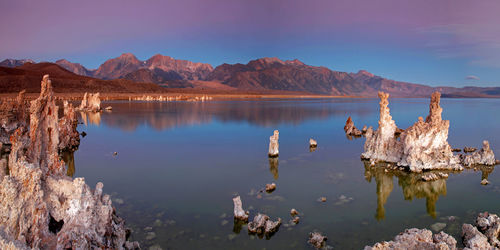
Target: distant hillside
{"type": "Point", "coordinates": [11, 63]}
{"type": "Point", "coordinates": [264, 75]}
{"type": "Point", "coordinates": [275, 74]}
{"type": "Point", "coordinates": [29, 75]}
{"type": "Point", "coordinates": [157, 69]}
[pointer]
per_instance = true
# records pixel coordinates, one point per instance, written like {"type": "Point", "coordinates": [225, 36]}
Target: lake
{"type": "Point", "coordinates": [179, 164]}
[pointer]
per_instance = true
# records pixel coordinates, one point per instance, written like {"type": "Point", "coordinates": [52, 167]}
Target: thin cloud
{"type": "Point", "coordinates": [471, 77]}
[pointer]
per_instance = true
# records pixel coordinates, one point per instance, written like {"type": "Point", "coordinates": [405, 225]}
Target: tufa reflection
{"type": "Point", "coordinates": [93, 118]}
{"type": "Point", "coordinates": [273, 167]}
{"type": "Point", "coordinates": [412, 184]}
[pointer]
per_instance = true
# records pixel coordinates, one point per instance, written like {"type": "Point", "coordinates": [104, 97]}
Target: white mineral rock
{"type": "Point", "coordinates": [239, 213]}
{"type": "Point", "coordinates": [273, 144]}
{"type": "Point", "coordinates": [417, 239]}
{"type": "Point", "coordinates": [42, 208]}
{"type": "Point", "coordinates": [90, 103]}
{"type": "Point", "coordinates": [262, 224]}
{"type": "Point", "coordinates": [313, 143]}
{"type": "Point", "coordinates": [423, 146]}
{"type": "Point", "coordinates": [317, 240]}
{"type": "Point", "coordinates": [484, 156]}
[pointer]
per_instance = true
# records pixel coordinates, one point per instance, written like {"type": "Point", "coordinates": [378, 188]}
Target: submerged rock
{"type": "Point", "coordinates": [90, 103]}
{"type": "Point", "coordinates": [423, 146]}
{"type": "Point", "coordinates": [273, 144]}
{"type": "Point", "coordinates": [438, 226]}
{"type": "Point", "coordinates": [40, 206]}
{"type": "Point", "coordinates": [317, 240]}
{"type": "Point", "coordinates": [484, 156]}
{"type": "Point", "coordinates": [239, 213]}
{"type": "Point", "coordinates": [350, 129]}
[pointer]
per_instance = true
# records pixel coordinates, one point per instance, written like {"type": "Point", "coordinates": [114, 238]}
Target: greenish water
{"type": "Point", "coordinates": [179, 164]}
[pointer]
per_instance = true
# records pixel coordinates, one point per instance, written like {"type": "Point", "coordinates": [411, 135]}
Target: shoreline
{"type": "Point", "coordinates": [181, 95]}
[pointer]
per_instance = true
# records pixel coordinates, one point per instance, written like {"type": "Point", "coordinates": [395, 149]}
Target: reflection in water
{"type": "Point", "coordinates": [273, 166]}
{"type": "Point", "coordinates": [486, 171]}
{"type": "Point", "coordinates": [166, 115]}
{"type": "Point", "coordinates": [91, 118]}
{"type": "Point", "coordinates": [411, 183]}
{"type": "Point", "coordinates": [238, 225]}
{"type": "Point", "coordinates": [69, 159]}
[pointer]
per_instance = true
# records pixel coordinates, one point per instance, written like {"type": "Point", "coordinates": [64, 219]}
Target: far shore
{"type": "Point", "coordinates": [181, 95]}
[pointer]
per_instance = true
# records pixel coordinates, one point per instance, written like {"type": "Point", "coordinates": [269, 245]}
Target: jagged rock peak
{"type": "Point", "coordinates": [41, 207]}
{"type": "Point", "coordinates": [434, 109]}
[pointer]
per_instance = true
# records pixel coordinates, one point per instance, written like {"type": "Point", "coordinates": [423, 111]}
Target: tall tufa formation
{"type": "Point", "coordinates": [44, 131]}
{"type": "Point", "coordinates": [273, 144]}
{"type": "Point", "coordinates": [42, 208]}
{"type": "Point", "coordinates": [423, 146]}
{"type": "Point", "coordinates": [382, 145]}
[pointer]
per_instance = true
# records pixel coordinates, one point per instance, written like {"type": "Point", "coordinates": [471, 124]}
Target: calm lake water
{"type": "Point", "coordinates": [179, 164]}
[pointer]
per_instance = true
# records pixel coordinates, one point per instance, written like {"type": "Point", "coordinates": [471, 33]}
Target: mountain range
{"type": "Point", "coordinates": [261, 75]}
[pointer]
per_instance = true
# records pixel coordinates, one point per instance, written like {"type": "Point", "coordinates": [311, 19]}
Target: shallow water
{"type": "Point", "coordinates": [179, 164]}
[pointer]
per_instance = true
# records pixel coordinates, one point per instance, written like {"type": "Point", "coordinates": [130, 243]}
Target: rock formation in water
{"type": "Point", "coordinates": [417, 239]}
{"type": "Point", "coordinates": [270, 187]}
{"type": "Point", "coordinates": [382, 145]}
{"type": "Point", "coordinates": [40, 206]}
{"type": "Point", "coordinates": [484, 234]}
{"type": "Point", "coordinates": [273, 144]}
{"type": "Point", "coordinates": [69, 138]}
{"type": "Point", "coordinates": [313, 143]}
{"type": "Point", "coordinates": [239, 213]}
{"type": "Point", "coordinates": [484, 156]}
{"type": "Point", "coordinates": [350, 129]}
{"type": "Point", "coordinates": [90, 103]}
{"type": "Point", "coordinates": [423, 146]}
{"type": "Point", "coordinates": [262, 224]}
{"type": "Point", "coordinates": [317, 240]}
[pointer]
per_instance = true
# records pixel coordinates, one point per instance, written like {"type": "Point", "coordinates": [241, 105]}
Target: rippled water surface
{"type": "Point", "coordinates": [179, 164]}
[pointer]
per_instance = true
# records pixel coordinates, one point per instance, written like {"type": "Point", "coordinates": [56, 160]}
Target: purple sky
{"type": "Point", "coordinates": [454, 42]}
